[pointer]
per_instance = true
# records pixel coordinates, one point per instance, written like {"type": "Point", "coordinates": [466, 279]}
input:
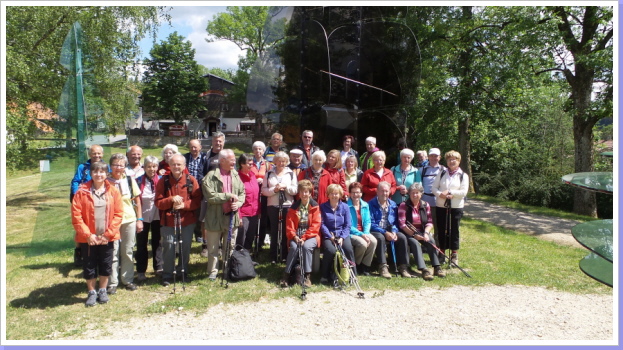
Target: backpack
{"type": "Point", "coordinates": [167, 184]}
{"type": "Point", "coordinates": [240, 265]}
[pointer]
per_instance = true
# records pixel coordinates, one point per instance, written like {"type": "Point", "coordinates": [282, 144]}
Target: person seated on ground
{"type": "Point", "coordinates": [365, 162]}
{"type": "Point", "coordinates": [416, 212]}
{"type": "Point", "coordinates": [335, 230]}
{"type": "Point", "coordinates": [177, 197]}
{"type": "Point", "coordinates": [96, 215]}
{"type": "Point", "coordinates": [364, 243]}
{"type": "Point", "coordinates": [352, 173]}
{"type": "Point", "coordinates": [384, 217]}
{"type": "Point", "coordinates": [83, 175]}
{"type": "Point", "coordinates": [302, 230]}
{"type": "Point", "coordinates": [348, 142]}
{"type": "Point", "coordinates": [334, 167]}
{"type": "Point", "coordinates": [319, 177]}
{"type": "Point", "coordinates": [167, 152]}
{"type": "Point", "coordinates": [405, 175]}
{"type": "Point", "coordinates": [123, 260]}
{"type": "Point", "coordinates": [224, 190]}
{"type": "Point", "coordinates": [379, 173]}
{"type": "Point", "coordinates": [280, 188]}
{"type": "Point", "coordinates": [147, 183]}
{"type": "Point", "coordinates": [450, 188]}
{"type": "Point", "coordinates": [250, 210]}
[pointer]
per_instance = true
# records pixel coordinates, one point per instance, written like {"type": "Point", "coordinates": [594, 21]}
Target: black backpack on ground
{"type": "Point", "coordinates": [240, 265]}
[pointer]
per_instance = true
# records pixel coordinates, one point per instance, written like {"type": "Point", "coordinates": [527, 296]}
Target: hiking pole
{"type": "Point", "coordinates": [394, 254]}
{"type": "Point", "coordinates": [301, 263]}
{"type": "Point", "coordinates": [225, 275]}
{"type": "Point", "coordinates": [448, 205]}
{"type": "Point", "coordinates": [353, 276]}
{"type": "Point", "coordinates": [282, 198]}
{"type": "Point", "coordinates": [256, 240]}
{"type": "Point", "coordinates": [411, 227]}
{"type": "Point", "coordinates": [177, 227]}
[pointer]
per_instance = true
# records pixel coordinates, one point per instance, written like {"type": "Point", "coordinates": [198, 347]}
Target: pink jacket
{"type": "Point", "coordinates": [251, 206]}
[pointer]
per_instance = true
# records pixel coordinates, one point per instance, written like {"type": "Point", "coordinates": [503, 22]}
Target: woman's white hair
{"type": "Point", "coordinates": [260, 144]}
{"type": "Point", "coordinates": [319, 154]}
{"type": "Point", "coordinates": [170, 146]}
{"type": "Point", "coordinates": [282, 155]}
{"type": "Point", "coordinates": [406, 151]}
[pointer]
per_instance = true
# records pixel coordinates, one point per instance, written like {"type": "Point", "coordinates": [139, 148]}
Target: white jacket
{"type": "Point", "coordinates": [457, 188]}
{"type": "Point", "coordinates": [268, 187]}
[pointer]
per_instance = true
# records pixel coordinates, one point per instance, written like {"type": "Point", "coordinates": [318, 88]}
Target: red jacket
{"type": "Point", "coordinates": [251, 205]}
{"type": "Point", "coordinates": [192, 200]}
{"type": "Point", "coordinates": [83, 212]}
{"type": "Point", "coordinates": [370, 181]}
{"type": "Point", "coordinates": [292, 222]}
{"type": "Point", "coordinates": [325, 181]}
{"type": "Point", "coordinates": [338, 177]}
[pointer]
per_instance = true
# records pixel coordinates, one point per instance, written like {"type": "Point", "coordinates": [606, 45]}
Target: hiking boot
{"type": "Point", "coordinates": [204, 252]}
{"type": "Point", "coordinates": [159, 272]}
{"type": "Point", "coordinates": [212, 276]}
{"type": "Point", "coordinates": [131, 287]}
{"type": "Point", "coordinates": [141, 277]}
{"type": "Point", "coordinates": [441, 257]}
{"type": "Point", "coordinates": [91, 299]}
{"type": "Point", "coordinates": [77, 257]}
{"type": "Point", "coordinates": [426, 275]}
{"type": "Point", "coordinates": [284, 280]}
{"type": "Point", "coordinates": [439, 272]}
{"type": "Point", "coordinates": [324, 280]}
{"type": "Point", "coordinates": [403, 271]}
{"type": "Point", "coordinates": [410, 271]}
{"type": "Point", "coordinates": [102, 296]}
{"type": "Point", "coordinates": [363, 270]}
{"type": "Point", "coordinates": [307, 283]}
{"type": "Point", "coordinates": [111, 290]}
{"type": "Point", "coordinates": [454, 258]}
{"type": "Point", "coordinates": [166, 282]}
{"type": "Point", "coordinates": [384, 271]}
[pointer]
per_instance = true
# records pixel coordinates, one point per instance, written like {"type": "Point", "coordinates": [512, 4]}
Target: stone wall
{"type": "Point", "coordinates": [160, 141]}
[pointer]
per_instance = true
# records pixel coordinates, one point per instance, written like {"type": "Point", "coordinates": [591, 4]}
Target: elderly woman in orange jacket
{"type": "Point", "coordinates": [96, 214]}
{"type": "Point", "coordinates": [302, 228]}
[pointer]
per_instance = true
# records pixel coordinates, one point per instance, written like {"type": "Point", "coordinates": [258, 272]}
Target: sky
{"type": "Point", "coordinates": [191, 23]}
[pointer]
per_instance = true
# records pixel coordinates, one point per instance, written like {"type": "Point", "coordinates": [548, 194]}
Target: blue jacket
{"type": "Point", "coordinates": [83, 174]}
{"type": "Point", "coordinates": [376, 214]}
{"type": "Point", "coordinates": [365, 218]}
{"type": "Point", "coordinates": [338, 222]}
{"type": "Point", "coordinates": [414, 175]}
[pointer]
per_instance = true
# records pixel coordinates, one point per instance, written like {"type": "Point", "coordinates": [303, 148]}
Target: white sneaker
{"type": "Point", "coordinates": [204, 252]}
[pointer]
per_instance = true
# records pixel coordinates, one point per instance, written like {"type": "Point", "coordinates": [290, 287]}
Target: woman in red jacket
{"type": "Point", "coordinates": [250, 210]}
{"type": "Point", "coordinates": [372, 177]}
{"type": "Point", "coordinates": [96, 214]}
{"type": "Point", "coordinates": [302, 229]}
{"type": "Point", "coordinates": [319, 177]}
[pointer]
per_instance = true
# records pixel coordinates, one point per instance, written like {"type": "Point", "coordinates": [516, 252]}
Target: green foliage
{"type": "Point", "coordinates": [172, 80]}
{"type": "Point", "coordinates": [34, 37]}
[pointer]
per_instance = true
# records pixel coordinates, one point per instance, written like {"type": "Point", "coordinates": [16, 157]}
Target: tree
{"type": "Point", "coordinates": [34, 36]}
{"type": "Point", "coordinates": [173, 81]}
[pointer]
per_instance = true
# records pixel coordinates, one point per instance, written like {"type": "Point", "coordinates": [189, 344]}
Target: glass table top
{"type": "Point", "coordinates": [596, 236]}
{"type": "Point", "coordinates": [597, 268]}
{"type": "Point", "coordinates": [596, 181]}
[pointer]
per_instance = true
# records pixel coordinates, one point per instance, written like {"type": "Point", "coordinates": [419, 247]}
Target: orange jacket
{"type": "Point", "coordinates": [292, 222]}
{"type": "Point", "coordinates": [83, 212]}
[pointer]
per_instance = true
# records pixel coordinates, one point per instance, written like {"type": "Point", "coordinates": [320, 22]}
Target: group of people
{"type": "Point", "coordinates": [304, 198]}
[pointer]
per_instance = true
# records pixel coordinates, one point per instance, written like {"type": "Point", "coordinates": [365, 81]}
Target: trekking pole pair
{"type": "Point", "coordinates": [350, 265]}
{"type": "Point", "coordinates": [177, 223]}
{"type": "Point", "coordinates": [299, 249]}
{"type": "Point", "coordinates": [282, 199]}
{"type": "Point", "coordinates": [412, 228]}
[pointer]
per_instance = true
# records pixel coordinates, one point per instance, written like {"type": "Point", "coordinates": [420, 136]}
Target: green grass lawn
{"type": "Point", "coordinates": [45, 293]}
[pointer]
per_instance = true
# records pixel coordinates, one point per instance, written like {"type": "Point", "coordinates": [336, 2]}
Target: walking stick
{"type": "Point", "coordinates": [301, 263]}
{"type": "Point", "coordinates": [411, 227]}
{"type": "Point", "coordinates": [394, 254]}
{"type": "Point", "coordinates": [178, 247]}
{"type": "Point", "coordinates": [256, 240]}
{"type": "Point", "coordinates": [282, 198]}
{"type": "Point", "coordinates": [448, 205]}
{"type": "Point", "coordinates": [225, 275]}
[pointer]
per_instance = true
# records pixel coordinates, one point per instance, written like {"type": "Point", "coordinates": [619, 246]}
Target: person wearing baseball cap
{"type": "Point", "coordinates": [428, 176]}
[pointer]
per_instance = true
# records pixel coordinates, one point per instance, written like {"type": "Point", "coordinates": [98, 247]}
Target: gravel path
{"type": "Point", "coordinates": [496, 313]}
{"type": "Point", "coordinates": [481, 313]}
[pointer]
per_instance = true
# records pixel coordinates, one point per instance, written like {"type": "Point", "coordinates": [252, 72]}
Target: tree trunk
{"type": "Point", "coordinates": [465, 149]}
{"type": "Point", "coordinates": [584, 201]}
{"type": "Point", "coordinates": [465, 105]}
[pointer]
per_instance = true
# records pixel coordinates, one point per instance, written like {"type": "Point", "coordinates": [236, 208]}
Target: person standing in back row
{"type": "Point", "coordinates": [307, 146]}
{"type": "Point", "coordinates": [428, 174]}
{"type": "Point", "coordinates": [365, 162]}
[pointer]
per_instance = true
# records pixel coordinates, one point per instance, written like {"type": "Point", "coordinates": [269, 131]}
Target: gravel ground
{"type": "Point", "coordinates": [496, 313]}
